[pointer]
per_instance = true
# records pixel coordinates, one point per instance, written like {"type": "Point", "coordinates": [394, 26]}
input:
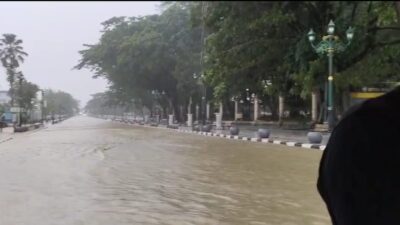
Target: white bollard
{"type": "Point", "coordinates": [170, 119]}
{"type": "Point", "coordinates": [314, 106]}
{"type": "Point", "coordinates": [208, 111]}
{"type": "Point", "coordinates": [190, 120]}
{"type": "Point", "coordinates": [218, 121]}
{"type": "Point", "coordinates": [255, 118]}
{"type": "Point", "coordinates": [221, 109]}
{"type": "Point", "coordinates": [236, 110]}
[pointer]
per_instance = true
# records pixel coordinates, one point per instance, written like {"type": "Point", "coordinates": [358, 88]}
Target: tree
{"type": "Point", "coordinates": [97, 105]}
{"type": "Point", "coordinates": [139, 55]}
{"type": "Point", "coordinates": [367, 61]}
{"type": "Point", "coordinates": [11, 55]}
{"type": "Point", "coordinates": [249, 44]}
{"type": "Point", "coordinates": [60, 103]}
{"type": "Point", "coordinates": [254, 41]}
{"type": "Point", "coordinates": [258, 45]}
{"type": "Point", "coordinates": [26, 92]}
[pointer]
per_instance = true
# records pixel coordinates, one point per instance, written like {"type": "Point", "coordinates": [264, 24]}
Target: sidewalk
{"type": "Point", "coordinates": [295, 135]}
{"type": "Point", "coordinates": [284, 136]}
{"type": "Point", "coordinates": [5, 136]}
{"type": "Point", "coordinates": [279, 133]}
{"type": "Point", "coordinates": [8, 133]}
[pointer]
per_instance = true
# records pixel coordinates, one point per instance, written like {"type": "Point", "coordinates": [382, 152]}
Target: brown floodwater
{"type": "Point", "coordinates": [89, 171]}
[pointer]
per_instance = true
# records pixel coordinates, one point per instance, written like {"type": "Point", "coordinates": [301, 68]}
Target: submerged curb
{"type": "Point", "coordinates": [233, 137]}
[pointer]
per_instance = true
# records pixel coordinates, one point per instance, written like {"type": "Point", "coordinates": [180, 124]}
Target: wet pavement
{"type": "Point", "coordinates": [90, 171]}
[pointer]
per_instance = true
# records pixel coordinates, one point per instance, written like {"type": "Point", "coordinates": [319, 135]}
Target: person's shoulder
{"type": "Point", "coordinates": [366, 117]}
{"type": "Point", "coordinates": [382, 107]}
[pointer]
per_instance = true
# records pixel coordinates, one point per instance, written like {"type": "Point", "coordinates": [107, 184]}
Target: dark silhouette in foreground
{"type": "Point", "coordinates": [359, 174]}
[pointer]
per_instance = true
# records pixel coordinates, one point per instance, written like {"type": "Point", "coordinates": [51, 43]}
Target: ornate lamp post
{"type": "Point", "coordinates": [330, 45]}
{"type": "Point", "coordinates": [248, 102]}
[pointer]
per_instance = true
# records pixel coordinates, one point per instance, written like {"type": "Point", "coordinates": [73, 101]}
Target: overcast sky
{"type": "Point", "coordinates": [53, 33]}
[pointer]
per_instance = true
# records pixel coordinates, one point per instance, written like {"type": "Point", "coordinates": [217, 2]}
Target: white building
{"type": "Point", "coordinates": [4, 97]}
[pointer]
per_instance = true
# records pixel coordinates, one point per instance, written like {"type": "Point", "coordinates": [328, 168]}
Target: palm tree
{"type": "Point", "coordinates": [11, 55]}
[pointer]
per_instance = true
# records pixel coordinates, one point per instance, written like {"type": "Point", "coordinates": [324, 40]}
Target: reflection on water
{"type": "Point", "coordinates": [89, 171]}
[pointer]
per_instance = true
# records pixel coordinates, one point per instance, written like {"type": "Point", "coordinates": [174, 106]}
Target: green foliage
{"type": "Point", "coordinates": [247, 44]}
{"type": "Point", "coordinates": [26, 93]}
{"type": "Point", "coordinates": [60, 103]}
{"type": "Point", "coordinates": [138, 55]}
{"type": "Point", "coordinates": [11, 55]}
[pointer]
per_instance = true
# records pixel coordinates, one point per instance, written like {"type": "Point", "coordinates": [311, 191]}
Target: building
{"type": "Point", "coordinates": [4, 97]}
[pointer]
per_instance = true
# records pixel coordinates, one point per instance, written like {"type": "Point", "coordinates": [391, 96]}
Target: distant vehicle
{"type": "Point", "coordinates": [3, 124]}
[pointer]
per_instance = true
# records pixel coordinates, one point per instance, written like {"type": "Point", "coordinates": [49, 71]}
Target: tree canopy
{"type": "Point", "coordinates": [260, 46]}
{"type": "Point", "coordinates": [60, 103]}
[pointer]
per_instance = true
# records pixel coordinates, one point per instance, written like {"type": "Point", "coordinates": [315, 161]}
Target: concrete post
{"type": "Point", "coordinates": [281, 106]}
{"type": "Point", "coordinates": [190, 120]}
{"type": "Point", "coordinates": [236, 109]}
{"type": "Point", "coordinates": [171, 119]}
{"type": "Point", "coordinates": [190, 106]}
{"type": "Point", "coordinates": [221, 110]}
{"type": "Point", "coordinates": [314, 106]}
{"type": "Point", "coordinates": [256, 106]}
{"type": "Point", "coordinates": [146, 118]}
{"type": "Point", "coordinates": [218, 121]}
{"type": "Point", "coordinates": [208, 111]}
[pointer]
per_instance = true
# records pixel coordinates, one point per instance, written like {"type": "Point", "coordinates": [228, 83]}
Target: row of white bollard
{"type": "Point", "coordinates": [189, 122]}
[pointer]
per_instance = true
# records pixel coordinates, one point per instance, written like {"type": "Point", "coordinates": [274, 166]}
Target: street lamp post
{"type": "Point", "coordinates": [154, 94]}
{"type": "Point", "coordinates": [330, 45]}
{"type": "Point", "coordinates": [42, 105]}
{"type": "Point", "coordinates": [248, 102]}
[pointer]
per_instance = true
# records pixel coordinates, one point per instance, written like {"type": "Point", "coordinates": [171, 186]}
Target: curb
{"type": "Point", "coordinates": [5, 140]}
{"type": "Point", "coordinates": [24, 129]}
{"type": "Point", "coordinates": [242, 138]}
{"type": "Point", "coordinates": [261, 140]}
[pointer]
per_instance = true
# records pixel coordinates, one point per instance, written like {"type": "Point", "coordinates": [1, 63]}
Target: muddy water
{"type": "Point", "coordinates": [87, 171]}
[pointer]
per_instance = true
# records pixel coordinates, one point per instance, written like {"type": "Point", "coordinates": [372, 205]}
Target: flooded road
{"type": "Point", "coordinates": [87, 171]}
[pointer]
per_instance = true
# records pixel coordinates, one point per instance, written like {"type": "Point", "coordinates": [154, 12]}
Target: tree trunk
{"type": "Point", "coordinates": [164, 112]}
{"type": "Point", "coordinates": [181, 116]}
{"type": "Point", "coordinates": [175, 109]}
{"type": "Point", "coordinates": [274, 107]}
{"type": "Point", "coordinates": [176, 113]}
{"type": "Point", "coordinates": [397, 7]}
{"type": "Point", "coordinates": [190, 106]}
{"type": "Point", "coordinates": [323, 103]}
